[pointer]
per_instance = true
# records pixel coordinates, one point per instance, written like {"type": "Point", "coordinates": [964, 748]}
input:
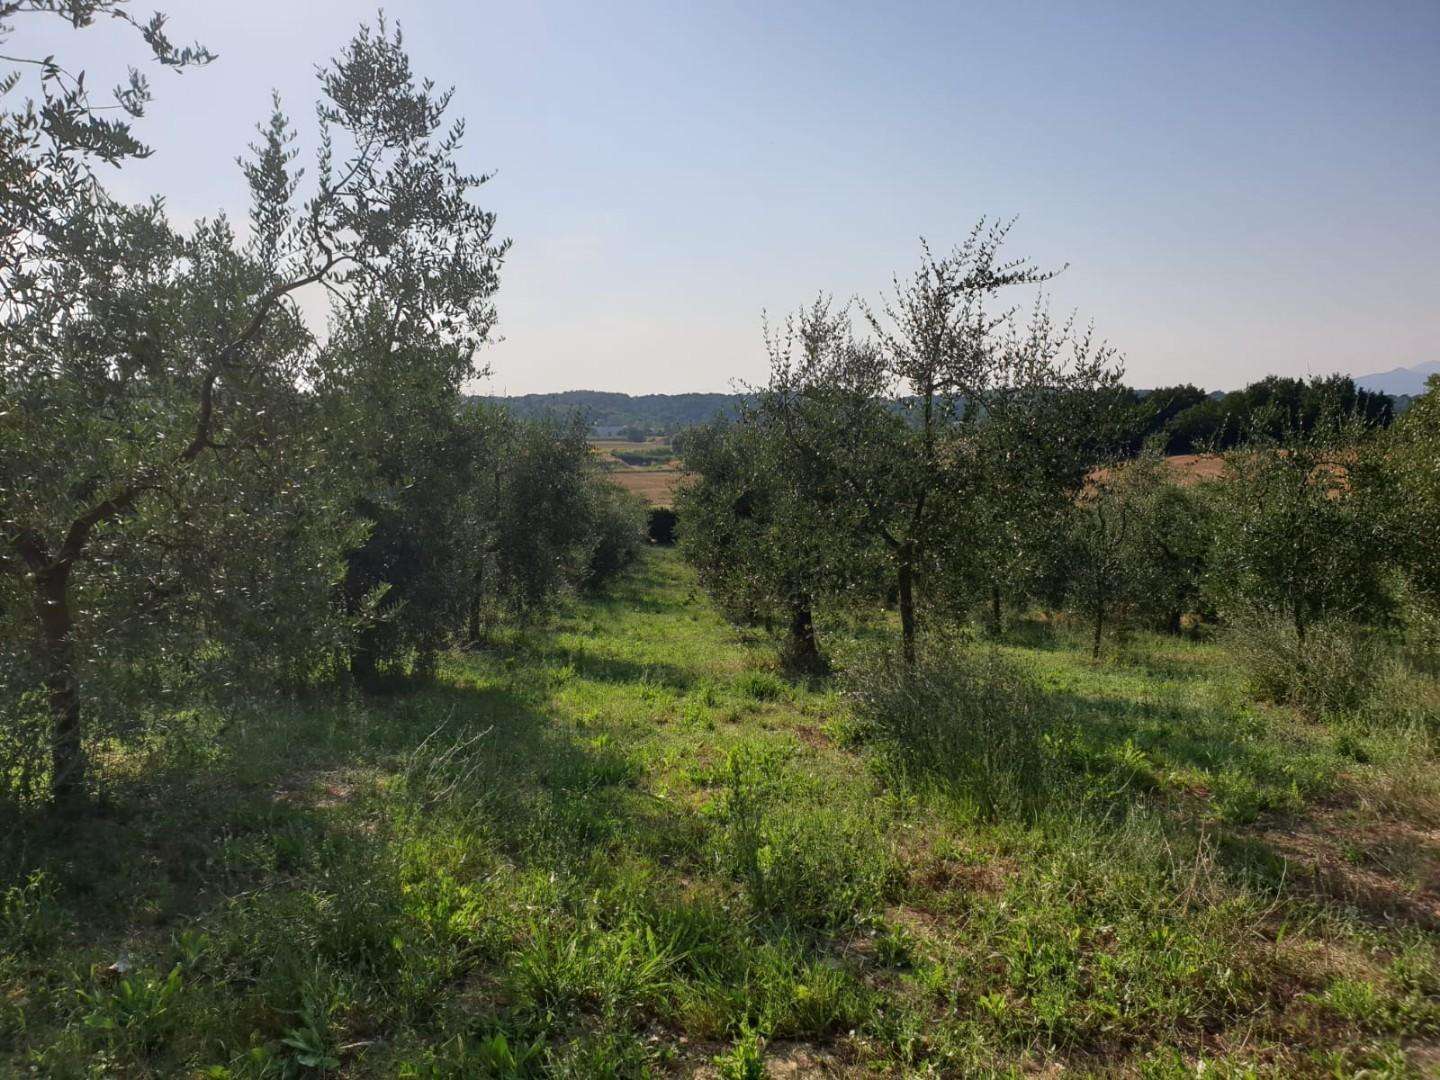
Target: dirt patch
{"type": "Point", "coordinates": [788, 1060]}
{"type": "Point", "coordinates": [1184, 469]}
{"type": "Point", "coordinates": [1389, 869]}
{"type": "Point", "coordinates": [811, 736]}
{"type": "Point", "coordinates": [950, 875]}
{"type": "Point", "coordinates": [320, 792]}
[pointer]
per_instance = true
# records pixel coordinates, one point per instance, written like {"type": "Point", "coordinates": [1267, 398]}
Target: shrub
{"type": "Point", "coordinates": [974, 724]}
{"type": "Point", "coordinates": [30, 921]}
{"type": "Point", "coordinates": [1333, 670]}
{"type": "Point", "coordinates": [617, 529]}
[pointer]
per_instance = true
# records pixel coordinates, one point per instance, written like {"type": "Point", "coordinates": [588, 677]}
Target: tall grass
{"type": "Point", "coordinates": [966, 719]}
{"type": "Point", "coordinates": [1333, 670]}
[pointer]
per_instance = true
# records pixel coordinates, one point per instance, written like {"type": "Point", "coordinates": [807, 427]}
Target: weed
{"type": "Point", "coordinates": [895, 947]}
{"type": "Point", "coordinates": [30, 919]}
{"type": "Point", "coordinates": [571, 851]}
{"type": "Point", "coordinates": [137, 1012]}
{"type": "Point", "coordinates": [759, 686]}
{"type": "Point", "coordinates": [745, 1060]}
{"type": "Point", "coordinates": [816, 867]}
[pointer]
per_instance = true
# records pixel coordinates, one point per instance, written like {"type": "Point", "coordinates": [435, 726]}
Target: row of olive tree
{"type": "Point", "coordinates": [188, 468]}
{"type": "Point", "coordinates": [1328, 524]}
{"type": "Point", "coordinates": [956, 459]}
{"type": "Point", "coordinates": [484, 517]}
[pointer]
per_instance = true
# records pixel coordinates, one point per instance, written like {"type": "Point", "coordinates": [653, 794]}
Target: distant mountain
{"type": "Point", "coordinates": [1403, 380]}
{"type": "Point", "coordinates": [607, 412]}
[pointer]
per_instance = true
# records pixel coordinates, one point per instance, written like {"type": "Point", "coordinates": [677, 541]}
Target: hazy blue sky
{"type": "Point", "coordinates": [1238, 188]}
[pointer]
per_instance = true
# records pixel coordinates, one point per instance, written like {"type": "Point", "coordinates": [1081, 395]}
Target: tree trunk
{"type": "Point", "coordinates": [364, 667]}
{"type": "Point", "coordinates": [1099, 629]}
{"type": "Point", "coordinates": [56, 654]}
{"type": "Point", "coordinates": [906, 585]}
{"type": "Point", "coordinates": [804, 651]}
{"type": "Point", "coordinates": [995, 608]}
{"type": "Point", "coordinates": [1172, 622]}
{"type": "Point", "coordinates": [473, 633]}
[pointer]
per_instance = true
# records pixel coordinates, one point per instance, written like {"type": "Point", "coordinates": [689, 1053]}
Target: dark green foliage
{"type": "Point", "coordinates": [1406, 467]}
{"type": "Point", "coordinates": [617, 523]}
{"type": "Point", "coordinates": [1296, 534]}
{"type": "Point", "coordinates": [627, 416]}
{"type": "Point", "coordinates": [661, 525]}
{"type": "Point", "coordinates": [650, 455]}
{"type": "Point", "coordinates": [1185, 420]}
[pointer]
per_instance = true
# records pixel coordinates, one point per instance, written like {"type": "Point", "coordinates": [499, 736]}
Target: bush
{"type": "Point", "coordinates": [1333, 670]}
{"type": "Point", "coordinates": [617, 529]}
{"type": "Point", "coordinates": [975, 724]}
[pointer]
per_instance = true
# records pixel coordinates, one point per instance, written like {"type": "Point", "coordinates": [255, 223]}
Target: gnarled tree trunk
{"type": "Point", "coordinates": [804, 648]}
{"type": "Point", "coordinates": [55, 651]}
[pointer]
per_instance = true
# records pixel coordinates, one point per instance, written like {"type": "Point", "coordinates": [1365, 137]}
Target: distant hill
{"type": "Point", "coordinates": [1408, 381]}
{"type": "Point", "coordinates": [608, 412]}
{"type": "Point", "coordinates": [613, 415]}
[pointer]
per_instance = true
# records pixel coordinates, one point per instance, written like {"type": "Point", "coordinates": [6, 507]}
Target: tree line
{"type": "Point", "coordinates": [1181, 419]}
{"type": "Point", "coordinates": [949, 457]}
{"type": "Point", "coordinates": [198, 489]}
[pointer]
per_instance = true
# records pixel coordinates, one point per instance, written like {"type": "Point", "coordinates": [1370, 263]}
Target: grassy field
{"type": "Point", "coordinates": [625, 845]}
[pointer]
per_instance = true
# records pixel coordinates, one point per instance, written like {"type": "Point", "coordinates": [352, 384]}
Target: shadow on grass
{"type": "Point", "coordinates": [183, 828]}
{"type": "Point", "coordinates": [597, 667]}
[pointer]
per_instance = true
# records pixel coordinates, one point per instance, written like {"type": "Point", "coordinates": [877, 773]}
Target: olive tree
{"type": "Point", "coordinates": [1294, 534]}
{"type": "Point", "coordinates": [143, 371]}
{"type": "Point", "coordinates": [900, 423]}
{"type": "Point", "coordinates": [1098, 573]}
{"type": "Point", "coordinates": [407, 482]}
{"type": "Point", "coordinates": [1409, 460]}
{"type": "Point", "coordinates": [1169, 549]}
{"type": "Point", "coordinates": [758, 527]}
{"type": "Point", "coordinates": [1134, 539]}
{"type": "Point", "coordinates": [543, 519]}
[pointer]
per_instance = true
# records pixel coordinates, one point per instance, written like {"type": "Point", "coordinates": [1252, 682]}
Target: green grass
{"type": "Point", "coordinates": [626, 845]}
{"type": "Point", "coordinates": [645, 455]}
